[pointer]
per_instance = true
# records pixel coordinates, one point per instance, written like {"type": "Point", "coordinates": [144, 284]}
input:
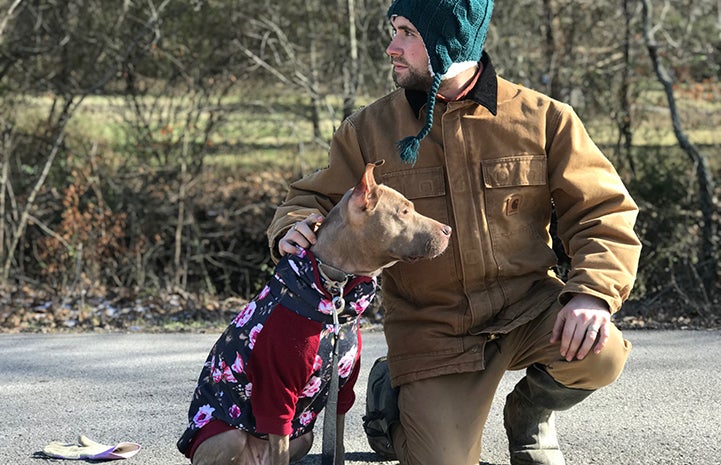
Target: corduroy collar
{"type": "Point", "coordinates": [485, 92]}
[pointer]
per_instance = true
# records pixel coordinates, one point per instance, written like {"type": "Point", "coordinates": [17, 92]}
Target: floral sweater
{"type": "Point", "coordinates": [269, 372]}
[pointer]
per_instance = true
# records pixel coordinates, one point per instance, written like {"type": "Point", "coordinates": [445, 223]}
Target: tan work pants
{"type": "Point", "coordinates": [442, 418]}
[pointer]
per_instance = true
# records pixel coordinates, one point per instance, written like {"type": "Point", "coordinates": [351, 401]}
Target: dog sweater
{"type": "Point", "coordinates": [269, 372]}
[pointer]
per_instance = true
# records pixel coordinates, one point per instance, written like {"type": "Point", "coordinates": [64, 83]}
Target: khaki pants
{"type": "Point", "coordinates": [442, 418]}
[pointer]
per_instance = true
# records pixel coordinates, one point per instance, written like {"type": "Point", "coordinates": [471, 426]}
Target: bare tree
{"type": "Point", "coordinates": [623, 115]}
{"type": "Point", "coordinates": [708, 254]}
{"type": "Point", "coordinates": [351, 67]}
{"type": "Point", "coordinates": [56, 139]}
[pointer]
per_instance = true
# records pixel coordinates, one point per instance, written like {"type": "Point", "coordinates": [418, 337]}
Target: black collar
{"type": "Point", "coordinates": [485, 92]}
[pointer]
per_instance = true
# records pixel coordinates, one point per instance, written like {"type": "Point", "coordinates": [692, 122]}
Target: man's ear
{"type": "Point", "coordinates": [364, 194]}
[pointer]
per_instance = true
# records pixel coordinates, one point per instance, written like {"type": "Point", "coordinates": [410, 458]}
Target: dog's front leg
{"type": "Point", "coordinates": [339, 446]}
{"type": "Point", "coordinates": [279, 449]}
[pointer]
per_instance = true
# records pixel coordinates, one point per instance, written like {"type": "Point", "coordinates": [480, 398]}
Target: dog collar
{"type": "Point", "coordinates": [300, 286]}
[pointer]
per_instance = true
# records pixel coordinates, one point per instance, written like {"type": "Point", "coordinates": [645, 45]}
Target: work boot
{"type": "Point", "coordinates": [381, 410]}
{"type": "Point", "coordinates": [529, 419]}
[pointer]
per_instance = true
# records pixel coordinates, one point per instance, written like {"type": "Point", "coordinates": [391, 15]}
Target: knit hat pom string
{"type": "Point", "coordinates": [408, 147]}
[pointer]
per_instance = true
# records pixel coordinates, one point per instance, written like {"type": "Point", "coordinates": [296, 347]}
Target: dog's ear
{"type": "Point", "coordinates": [365, 195]}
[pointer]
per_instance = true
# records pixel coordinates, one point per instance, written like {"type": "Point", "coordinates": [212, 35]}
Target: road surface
{"type": "Point", "coordinates": [665, 408]}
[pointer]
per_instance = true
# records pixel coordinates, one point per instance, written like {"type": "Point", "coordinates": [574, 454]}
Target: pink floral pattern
{"type": "Point", "coordinates": [306, 418]}
{"type": "Point", "coordinates": [346, 363]}
{"type": "Point", "coordinates": [246, 314]}
{"type": "Point", "coordinates": [254, 335]}
{"type": "Point", "coordinates": [361, 304]}
{"type": "Point", "coordinates": [312, 387]}
{"type": "Point", "coordinates": [234, 411]}
{"type": "Point", "coordinates": [325, 307]}
{"type": "Point", "coordinates": [238, 366]}
{"type": "Point", "coordinates": [318, 363]}
{"type": "Point", "coordinates": [203, 416]}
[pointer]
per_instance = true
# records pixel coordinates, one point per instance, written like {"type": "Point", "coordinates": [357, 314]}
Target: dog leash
{"type": "Point", "coordinates": [329, 447]}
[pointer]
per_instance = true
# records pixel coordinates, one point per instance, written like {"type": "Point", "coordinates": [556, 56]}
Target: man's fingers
{"type": "Point", "coordinates": [314, 218]}
{"type": "Point", "coordinates": [287, 247]}
{"type": "Point", "coordinates": [603, 336]}
{"type": "Point", "coordinates": [573, 342]}
{"type": "Point", "coordinates": [589, 338]}
{"type": "Point", "coordinates": [567, 337]}
{"type": "Point", "coordinates": [307, 234]}
{"type": "Point", "coordinates": [583, 339]}
{"type": "Point", "coordinates": [300, 235]}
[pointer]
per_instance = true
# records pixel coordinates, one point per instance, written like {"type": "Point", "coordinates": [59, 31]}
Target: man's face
{"type": "Point", "coordinates": [409, 56]}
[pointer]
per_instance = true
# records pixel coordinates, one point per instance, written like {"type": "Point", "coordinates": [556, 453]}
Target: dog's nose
{"type": "Point", "coordinates": [447, 230]}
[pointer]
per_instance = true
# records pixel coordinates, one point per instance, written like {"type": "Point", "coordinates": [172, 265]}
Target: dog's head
{"type": "Point", "coordinates": [384, 227]}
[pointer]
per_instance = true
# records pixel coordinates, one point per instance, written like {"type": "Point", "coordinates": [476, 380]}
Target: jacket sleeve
{"type": "Point", "coordinates": [321, 190]}
{"type": "Point", "coordinates": [596, 215]}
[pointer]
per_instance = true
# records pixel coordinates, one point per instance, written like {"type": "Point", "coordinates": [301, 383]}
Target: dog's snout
{"type": "Point", "coordinates": [447, 230]}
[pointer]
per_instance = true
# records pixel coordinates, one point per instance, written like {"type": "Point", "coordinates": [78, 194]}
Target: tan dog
{"type": "Point", "coordinates": [372, 227]}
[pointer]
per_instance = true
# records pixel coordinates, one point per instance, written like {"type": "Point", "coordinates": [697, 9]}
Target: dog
{"type": "Point", "coordinates": [267, 377]}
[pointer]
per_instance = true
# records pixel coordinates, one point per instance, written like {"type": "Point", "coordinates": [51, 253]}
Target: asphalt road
{"type": "Point", "coordinates": [665, 408]}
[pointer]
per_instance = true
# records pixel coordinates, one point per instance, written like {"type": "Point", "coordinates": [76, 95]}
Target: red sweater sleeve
{"type": "Point", "coordinates": [279, 367]}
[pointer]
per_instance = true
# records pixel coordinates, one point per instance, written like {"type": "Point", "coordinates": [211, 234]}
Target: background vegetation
{"type": "Point", "coordinates": [145, 144]}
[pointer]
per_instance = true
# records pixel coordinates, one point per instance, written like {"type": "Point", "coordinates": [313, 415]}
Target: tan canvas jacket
{"type": "Point", "coordinates": [492, 167]}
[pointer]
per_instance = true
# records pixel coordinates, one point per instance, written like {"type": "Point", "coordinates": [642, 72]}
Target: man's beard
{"type": "Point", "coordinates": [413, 79]}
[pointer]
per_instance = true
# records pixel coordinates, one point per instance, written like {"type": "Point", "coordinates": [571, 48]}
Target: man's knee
{"type": "Point", "coordinates": [596, 370]}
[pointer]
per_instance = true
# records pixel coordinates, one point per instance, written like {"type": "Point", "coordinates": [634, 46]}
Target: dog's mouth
{"type": "Point", "coordinates": [418, 258]}
{"type": "Point", "coordinates": [432, 248]}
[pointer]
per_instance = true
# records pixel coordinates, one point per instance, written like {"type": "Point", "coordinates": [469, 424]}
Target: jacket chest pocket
{"type": "Point", "coordinates": [425, 187]}
{"type": "Point", "coordinates": [518, 209]}
{"type": "Point", "coordinates": [516, 185]}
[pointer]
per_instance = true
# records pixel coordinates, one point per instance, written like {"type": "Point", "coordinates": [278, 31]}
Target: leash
{"type": "Point", "coordinates": [329, 449]}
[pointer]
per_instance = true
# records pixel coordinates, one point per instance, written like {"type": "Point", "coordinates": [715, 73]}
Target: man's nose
{"type": "Point", "coordinates": [393, 50]}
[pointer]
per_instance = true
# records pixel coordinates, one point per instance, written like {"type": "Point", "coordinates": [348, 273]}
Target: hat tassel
{"type": "Point", "coordinates": [408, 147]}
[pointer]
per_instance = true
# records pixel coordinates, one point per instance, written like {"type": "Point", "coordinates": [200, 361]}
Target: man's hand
{"type": "Point", "coordinates": [301, 235]}
{"type": "Point", "coordinates": [581, 323]}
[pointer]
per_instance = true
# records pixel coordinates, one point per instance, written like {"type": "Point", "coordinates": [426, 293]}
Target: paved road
{"type": "Point", "coordinates": [665, 409]}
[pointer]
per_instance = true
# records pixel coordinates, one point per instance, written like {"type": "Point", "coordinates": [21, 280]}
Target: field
{"type": "Point", "coordinates": [274, 131]}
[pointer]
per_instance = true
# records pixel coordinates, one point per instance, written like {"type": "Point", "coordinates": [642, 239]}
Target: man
{"type": "Point", "coordinates": [491, 159]}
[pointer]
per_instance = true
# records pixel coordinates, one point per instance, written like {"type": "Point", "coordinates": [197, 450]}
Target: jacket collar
{"type": "Point", "coordinates": [484, 93]}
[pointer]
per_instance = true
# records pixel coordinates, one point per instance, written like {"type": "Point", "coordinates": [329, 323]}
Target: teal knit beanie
{"type": "Point", "coordinates": [453, 31]}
